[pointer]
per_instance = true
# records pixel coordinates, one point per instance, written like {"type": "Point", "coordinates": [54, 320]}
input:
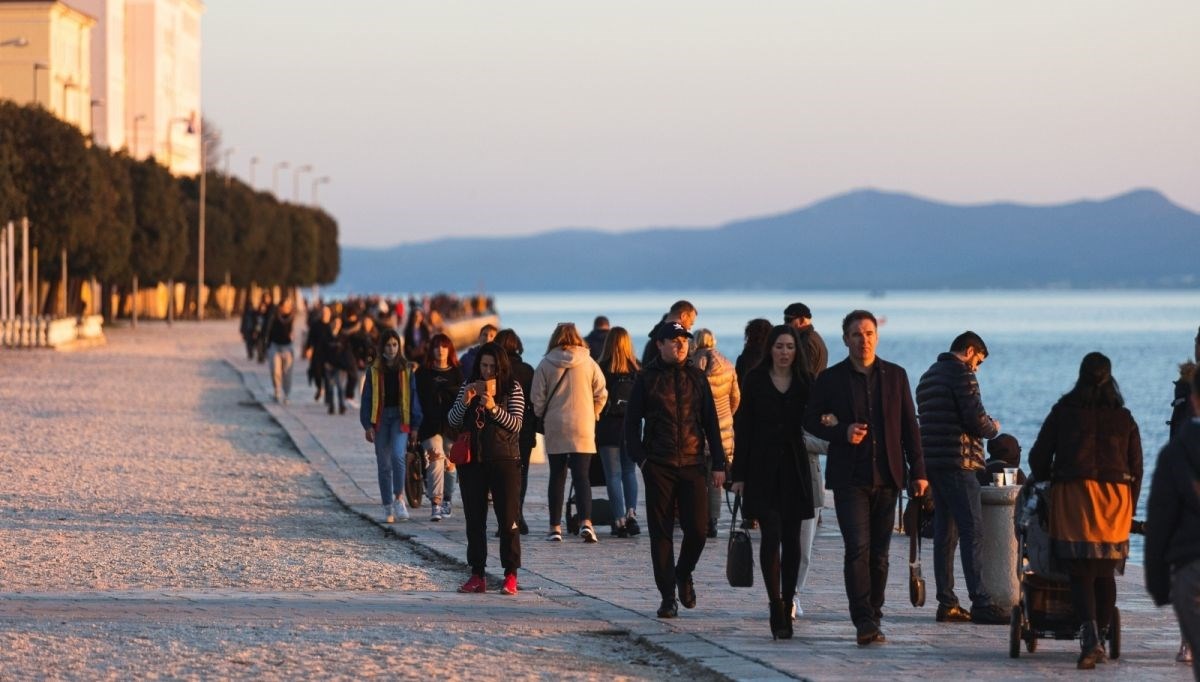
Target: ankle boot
{"type": "Point", "coordinates": [781, 626]}
{"type": "Point", "coordinates": [1089, 646]}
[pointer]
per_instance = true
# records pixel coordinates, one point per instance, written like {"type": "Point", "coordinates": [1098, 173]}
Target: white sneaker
{"type": "Point", "coordinates": [401, 509]}
{"type": "Point", "coordinates": [446, 510]}
{"type": "Point", "coordinates": [796, 610]}
{"type": "Point", "coordinates": [435, 513]}
{"type": "Point", "coordinates": [352, 403]}
{"type": "Point", "coordinates": [389, 513]}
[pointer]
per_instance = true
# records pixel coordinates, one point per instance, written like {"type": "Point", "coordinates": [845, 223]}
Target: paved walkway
{"type": "Point", "coordinates": [727, 632]}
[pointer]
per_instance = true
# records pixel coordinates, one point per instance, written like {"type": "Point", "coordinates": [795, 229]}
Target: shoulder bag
{"type": "Point", "coordinates": [739, 557]}
{"type": "Point", "coordinates": [461, 452]}
{"type": "Point", "coordinates": [916, 583]}
{"type": "Point", "coordinates": [539, 423]}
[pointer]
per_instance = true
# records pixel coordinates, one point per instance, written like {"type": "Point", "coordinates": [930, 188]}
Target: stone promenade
{"type": "Point", "coordinates": [727, 632]}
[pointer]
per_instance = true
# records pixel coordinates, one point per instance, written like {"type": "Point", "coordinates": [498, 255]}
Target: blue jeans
{"type": "Point", "coordinates": [865, 517]}
{"type": "Point", "coordinates": [620, 474]}
{"type": "Point", "coordinates": [957, 517]}
{"type": "Point", "coordinates": [391, 446]}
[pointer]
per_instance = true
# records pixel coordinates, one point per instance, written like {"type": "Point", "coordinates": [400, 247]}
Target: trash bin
{"type": "Point", "coordinates": [1000, 544]}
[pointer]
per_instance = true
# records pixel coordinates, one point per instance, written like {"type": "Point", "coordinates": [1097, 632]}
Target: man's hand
{"type": "Point", "coordinates": [370, 433]}
{"type": "Point", "coordinates": [718, 479]}
{"type": "Point", "coordinates": [920, 487]}
{"type": "Point", "coordinates": [856, 432]}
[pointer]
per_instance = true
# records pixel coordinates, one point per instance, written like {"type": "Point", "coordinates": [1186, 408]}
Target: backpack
{"type": "Point", "coordinates": [620, 387]}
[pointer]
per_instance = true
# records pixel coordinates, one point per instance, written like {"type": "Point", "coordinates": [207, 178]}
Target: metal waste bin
{"type": "Point", "coordinates": [1000, 545]}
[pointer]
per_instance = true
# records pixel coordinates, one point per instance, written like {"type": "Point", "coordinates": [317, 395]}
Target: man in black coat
{"type": "Point", "coordinates": [953, 426]}
{"type": "Point", "coordinates": [1173, 526]}
{"type": "Point", "coordinates": [799, 317]}
{"type": "Point", "coordinates": [669, 417]}
{"type": "Point", "coordinates": [863, 406]}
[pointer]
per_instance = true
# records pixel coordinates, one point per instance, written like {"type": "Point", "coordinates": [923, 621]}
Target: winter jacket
{"type": "Point", "coordinates": [1181, 407]}
{"type": "Point", "coordinates": [671, 415]}
{"type": "Point", "coordinates": [831, 394]}
{"type": "Point", "coordinates": [953, 421]}
{"type": "Point", "coordinates": [610, 430]}
{"type": "Point", "coordinates": [770, 426]}
{"type": "Point", "coordinates": [1090, 443]}
{"type": "Point", "coordinates": [373, 398]}
{"type": "Point", "coordinates": [1173, 511]}
{"type": "Point", "coordinates": [727, 395]}
{"type": "Point", "coordinates": [436, 389]}
{"type": "Point", "coordinates": [815, 352]}
{"type": "Point", "coordinates": [569, 416]}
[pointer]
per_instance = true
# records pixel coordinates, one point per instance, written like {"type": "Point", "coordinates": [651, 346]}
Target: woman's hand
{"type": "Point", "coordinates": [469, 394]}
{"type": "Point", "coordinates": [370, 433]}
{"type": "Point", "coordinates": [736, 487]}
{"type": "Point", "coordinates": [489, 402]}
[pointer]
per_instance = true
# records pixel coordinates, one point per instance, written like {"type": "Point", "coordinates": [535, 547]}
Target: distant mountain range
{"type": "Point", "coordinates": [865, 239]}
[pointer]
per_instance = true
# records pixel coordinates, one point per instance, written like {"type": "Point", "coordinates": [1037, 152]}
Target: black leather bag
{"type": "Point", "coordinates": [916, 582]}
{"type": "Point", "coordinates": [739, 558]}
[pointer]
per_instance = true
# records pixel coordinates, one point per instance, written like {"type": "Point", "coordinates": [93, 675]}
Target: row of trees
{"type": "Point", "coordinates": [118, 217]}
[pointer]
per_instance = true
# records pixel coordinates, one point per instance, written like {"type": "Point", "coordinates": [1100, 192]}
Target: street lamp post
{"type": "Point", "coordinates": [296, 181]}
{"type": "Point", "coordinates": [228, 153]}
{"type": "Point", "coordinates": [317, 181]}
{"type": "Point", "coordinates": [92, 118]}
{"type": "Point", "coordinates": [37, 66]}
{"type": "Point", "coordinates": [137, 138]}
{"type": "Point", "coordinates": [253, 163]}
{"type": "Point", "coordinates": [19, 41]}
{"type": "Point", "coordinates": [192, 128]}
{"type": "Point", "coordinates": [275, 177]}
{"type": "Point", "coordinates": [200, 226]}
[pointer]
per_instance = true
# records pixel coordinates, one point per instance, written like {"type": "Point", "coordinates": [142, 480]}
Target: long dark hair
{"type": "Point", "coordinates": [503, 367]}
{"type": "Point", "coordinates": [799, 364]}
{"type": "Point", "coordinates": [1095, 386]}
{"type": "Point", "coordinates": [442, 340]}
{"type": "Point", "coordinates": [390, 333]}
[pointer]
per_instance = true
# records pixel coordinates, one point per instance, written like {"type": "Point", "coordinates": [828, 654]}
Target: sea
{"type": "Point", "coordinates": [1036, 339]}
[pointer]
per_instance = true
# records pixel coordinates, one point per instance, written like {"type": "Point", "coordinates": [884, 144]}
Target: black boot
{"type": "Point", "coordinates": [781, 621]}
{"type": "Point", "coordinates": [1090, 652]}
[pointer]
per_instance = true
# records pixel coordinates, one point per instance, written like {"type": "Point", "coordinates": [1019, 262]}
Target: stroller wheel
{"type": "Point", "coordinates": [1114, 634]}
{"type": "Point", "coordinates": [1014, 633]}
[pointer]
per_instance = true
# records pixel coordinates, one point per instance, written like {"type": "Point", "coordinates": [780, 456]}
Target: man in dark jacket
{"type": "Point", "coordinates": [953, 426]}
{"type": "Point", "coordinates": [669, 417]}
{"type": "Point", "coordinates": [863, 406]}
{"type": "Point", "coordinates": [595, 338]}
{"type": "Point", "coordinates": [1173, 526]}
{"type": "Point", "coordinates": [799, 317]}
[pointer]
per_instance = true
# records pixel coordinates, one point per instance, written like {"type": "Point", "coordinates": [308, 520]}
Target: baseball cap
{"type": "Point", "coordinates": [670, 330]}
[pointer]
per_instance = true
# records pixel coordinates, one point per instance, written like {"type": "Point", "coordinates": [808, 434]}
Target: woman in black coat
{"type": "Point", "coordinates": [771, 466]}
{"type": "Point", "coordinates": [1090, 449]}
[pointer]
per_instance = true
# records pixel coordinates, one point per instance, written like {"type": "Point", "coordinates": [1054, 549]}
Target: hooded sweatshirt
{"type": "Point", "coordinates": [1173, 512]}
{"type": "Point", "coordinates": [569, 415]}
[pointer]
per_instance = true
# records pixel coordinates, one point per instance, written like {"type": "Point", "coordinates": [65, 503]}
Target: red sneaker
{"type": "Point", "coordinates": [475, 585]}
{"type": "Point", "coordinates": [510, 584]}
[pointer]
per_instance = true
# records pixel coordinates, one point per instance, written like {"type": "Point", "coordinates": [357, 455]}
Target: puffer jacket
{"type": "Point", "coordinates": [953, 421]}
{"type": "Point", "coordinates": [670, 416]}
{"type": "Point", "coordinates": [727, 395]}
{"type": "Point", "coordinates": [569, 416]}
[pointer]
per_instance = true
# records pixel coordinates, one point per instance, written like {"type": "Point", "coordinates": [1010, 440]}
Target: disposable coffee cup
{"type": "Point", "coordinates": [1010, 475]}
{"type": "Point", "coordinates": [998, 479]}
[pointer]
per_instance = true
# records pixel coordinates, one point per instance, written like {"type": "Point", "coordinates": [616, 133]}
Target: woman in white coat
{"type": "Point", "coordinates": [568, 394]}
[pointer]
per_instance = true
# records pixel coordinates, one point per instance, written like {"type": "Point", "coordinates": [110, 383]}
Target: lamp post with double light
{"type": "Point", "coordinates": [253, 163]}
{"type": "Point", "coordinates": [296, 181]}
{"type": "Point", "coordinates": [317, 181]}
{"type": "Point", "coordinates": [275, 177]}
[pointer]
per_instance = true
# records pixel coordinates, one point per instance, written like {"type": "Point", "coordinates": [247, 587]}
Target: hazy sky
{"type": "Point", "coordinates": [498, 116]}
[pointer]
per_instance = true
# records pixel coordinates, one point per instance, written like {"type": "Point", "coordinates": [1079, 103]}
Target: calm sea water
{"type": "Point", "coordinates": [1036, 339]}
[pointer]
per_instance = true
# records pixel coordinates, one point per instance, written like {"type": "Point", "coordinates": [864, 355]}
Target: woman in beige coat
{"type": "Point", "coordinates": [727, 395]}
{"type": "Point", "coordinates": [568, 394]}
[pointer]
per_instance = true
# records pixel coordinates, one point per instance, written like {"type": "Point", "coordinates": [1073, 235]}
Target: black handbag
{"type": "Point", "coordinates": [739, 558]}
{"type": "Point", "coordinates": [916, 582]}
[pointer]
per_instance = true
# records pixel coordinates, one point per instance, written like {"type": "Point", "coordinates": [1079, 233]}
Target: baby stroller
{"type": "Point", "coordinates": [1044, 610]}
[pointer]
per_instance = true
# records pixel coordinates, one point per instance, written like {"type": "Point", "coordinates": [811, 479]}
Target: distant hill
{"type": "Point", "coordinates": [861, 240]}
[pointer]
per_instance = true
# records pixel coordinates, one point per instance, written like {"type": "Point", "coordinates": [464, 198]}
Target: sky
{"type": "Point", "coordinates": [505, 117]}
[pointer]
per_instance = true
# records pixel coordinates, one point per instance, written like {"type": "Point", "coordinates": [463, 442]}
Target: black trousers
{"type": "Point", "coordinates": [667, 487]}
{"type": "Point", "coordinates": [503, 479]}
{"type": "Point", "coordinates": [865, 517]}
{"type": "Point", "coordinates": [780, 577]}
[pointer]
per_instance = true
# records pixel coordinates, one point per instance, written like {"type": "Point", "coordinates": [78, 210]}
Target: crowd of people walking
{"type": "Point", "coordinates": [695, 424]}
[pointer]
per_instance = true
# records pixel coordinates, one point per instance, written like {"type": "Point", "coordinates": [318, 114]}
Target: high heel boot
{"type": "Point", "coordinates": [1090, 652]}
{"type": "Point", "coordinates": [781, 627]}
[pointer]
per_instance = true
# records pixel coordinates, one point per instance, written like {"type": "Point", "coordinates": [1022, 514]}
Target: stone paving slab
{"type": "Point", "coordinates": [728, 631]}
